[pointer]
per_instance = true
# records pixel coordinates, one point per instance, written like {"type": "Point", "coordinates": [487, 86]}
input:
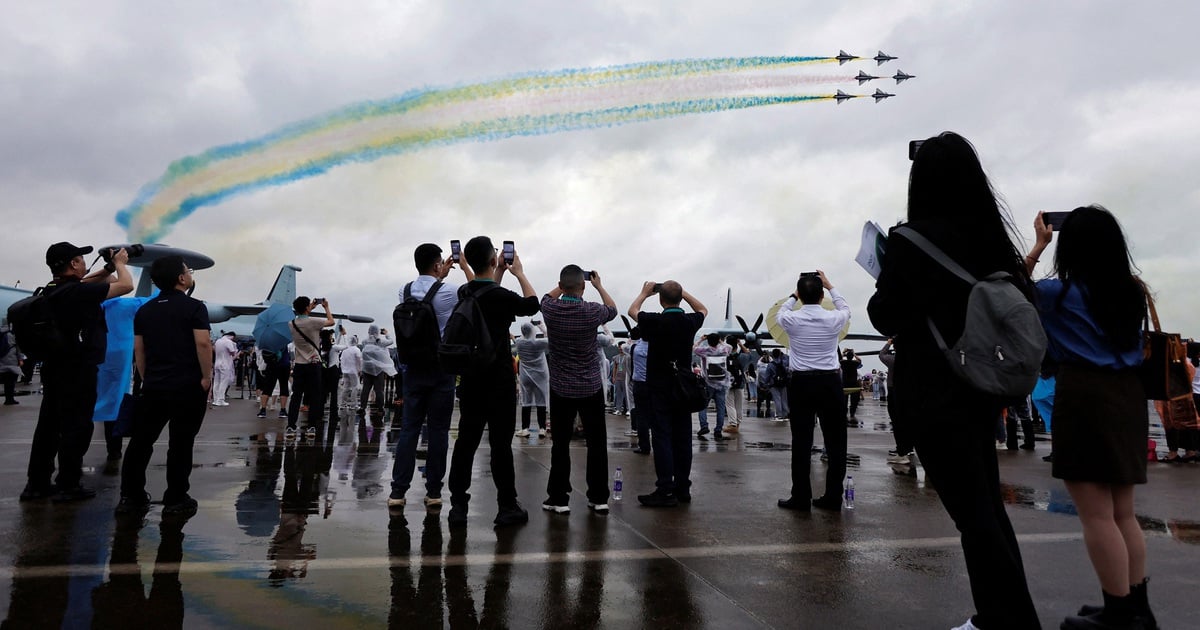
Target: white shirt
{"type": "Point", "coordinates": [226, 349]}
{"type": "Point", "coordinates": [813, 332]}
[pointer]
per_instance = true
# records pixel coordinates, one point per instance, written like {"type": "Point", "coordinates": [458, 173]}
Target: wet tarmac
{"type": "Point", "coordinates": [299, 536]}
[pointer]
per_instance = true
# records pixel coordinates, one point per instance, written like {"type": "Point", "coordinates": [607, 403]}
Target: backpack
{"type": "Point", "coordinates": [416, 325]}
{"type": "Point", "coordinates": [467, 345]}
{"type": "Point", "coordinates": [715, 368]}
{"type": "Point", "coordinates": [779, 373]}
{"type": "Point", "coordinates": [37, 332]}
{"type": "Point", "coordinates": [734, 365]}
{"type": "Point", "coordinates": [1001, 348]}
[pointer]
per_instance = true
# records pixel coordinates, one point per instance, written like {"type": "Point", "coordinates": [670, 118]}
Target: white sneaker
{"type": "Point", "coordinates": [523, 433]}
{"type": "Point", "coordinates": [599, 508]}
{"type": "Point", "coordinates": [897, 459]}
{"type": "Point", "coordinates": [557, 509]}
{"type": "Point", "coordinates": [966, 626]}
{"type": "Point", "coordinates": [630, 433]}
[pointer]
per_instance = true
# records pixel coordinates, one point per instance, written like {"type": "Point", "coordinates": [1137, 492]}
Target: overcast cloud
{"type": "Point", "coordinates": [1068, 103]}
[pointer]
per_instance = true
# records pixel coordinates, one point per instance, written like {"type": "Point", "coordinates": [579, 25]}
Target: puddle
{"type": "Point", "coordinates": [1059, 502]}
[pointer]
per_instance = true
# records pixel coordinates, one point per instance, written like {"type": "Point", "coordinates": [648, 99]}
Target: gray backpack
{"type": "Point", "coordinates": [1001, 348]}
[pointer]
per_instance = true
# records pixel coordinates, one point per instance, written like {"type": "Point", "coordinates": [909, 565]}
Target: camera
{"type": "Point", "coordinates": [134, 251]}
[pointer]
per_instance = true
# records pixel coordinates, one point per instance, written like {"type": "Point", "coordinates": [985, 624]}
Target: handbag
{"type": "Point", "coordinates": [1164, 356]}
{"type": "Point", "coordinates": [689, 390]}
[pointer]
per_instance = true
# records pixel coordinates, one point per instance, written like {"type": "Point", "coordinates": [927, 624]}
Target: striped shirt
{"type": "Point", "coordinates": [571, 328]}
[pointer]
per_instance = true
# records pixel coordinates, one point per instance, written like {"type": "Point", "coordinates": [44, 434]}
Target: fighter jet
{"type": "Point", "coordinates": [900, 77]}
{"type": "Point", "coordinates": [882, 57]}
{"type": "Point", "coordinates": [863, 77]}
{"type": "Point", "coordinates": [879, 95]}
{"type": "Point", "coordinates": [841, 96]}
{"type": "Point", "coordinates": [844, 56]}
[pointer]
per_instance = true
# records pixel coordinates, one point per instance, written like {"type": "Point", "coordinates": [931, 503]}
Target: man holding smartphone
{"type": "Point", "coordinates": [488, 395]}
{"type": "Point", "coordinates": [307, 364]}
{"type": "Point", "coordinates": [428, 390]}
{"type": "Point", "coordinates": [576, 386]}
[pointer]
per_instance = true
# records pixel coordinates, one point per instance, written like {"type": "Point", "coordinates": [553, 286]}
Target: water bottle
{"type": "Point", "coordinates": [616, 493]}
{"type": "Point", "coordinates": [848, 492]}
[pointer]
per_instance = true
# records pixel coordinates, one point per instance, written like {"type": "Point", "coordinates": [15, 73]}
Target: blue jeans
{"type": "Point", "coordinates": [717, 395]}
{"type": "Point", "coordinates": [428, 396]}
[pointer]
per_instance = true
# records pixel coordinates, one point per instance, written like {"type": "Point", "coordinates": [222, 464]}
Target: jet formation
{"type": "Point", "coordinates": [842, 57]}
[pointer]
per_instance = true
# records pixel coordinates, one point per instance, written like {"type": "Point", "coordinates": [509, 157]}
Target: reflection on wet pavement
{"type": "Point", "coordinates": [1059, 501]}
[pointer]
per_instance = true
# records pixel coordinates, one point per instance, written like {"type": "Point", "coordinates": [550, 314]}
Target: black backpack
{"type": "Point", "coordinates": [467, 345]}
{"type": "Point", "coordinates": [38, 333]}
{"type": "Point", "coordinates": [417, 334]}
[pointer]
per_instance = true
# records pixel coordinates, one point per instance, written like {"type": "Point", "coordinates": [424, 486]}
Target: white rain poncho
{"type": "Point", "coordinates": [535, 375]}
{"type": "Point", "coordinates": [375, 356]}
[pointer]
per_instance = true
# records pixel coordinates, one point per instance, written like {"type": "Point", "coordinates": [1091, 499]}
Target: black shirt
{"type": "Point", "coordinates": [670, 336]}
{"type": "Point", "coordinates": [166, 326]}
{"type": "Point", "coordinates": [501, 308]}
{"type": "Point", "coordinates": [850, 368]}
{"type": "Point", "coordinates": [77, 313]}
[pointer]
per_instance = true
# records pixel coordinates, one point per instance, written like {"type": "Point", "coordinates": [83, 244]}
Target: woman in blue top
{"type": "Point", "coordinates": [1092, 313]}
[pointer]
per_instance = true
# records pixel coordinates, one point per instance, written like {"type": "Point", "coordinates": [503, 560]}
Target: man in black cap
{"type": "Point", "coordinates": [64, 424]}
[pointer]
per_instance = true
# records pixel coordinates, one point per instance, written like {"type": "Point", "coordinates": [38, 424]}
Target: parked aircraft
{"type": "Point", "coordinates": [882, 57]}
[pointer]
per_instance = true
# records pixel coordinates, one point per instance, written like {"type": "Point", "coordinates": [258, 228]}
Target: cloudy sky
{"type": "Point", "coordinates": [1068, 103]}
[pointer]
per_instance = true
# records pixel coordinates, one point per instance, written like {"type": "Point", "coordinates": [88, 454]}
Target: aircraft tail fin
{"type": "Point", "coordinates": [284, 289]}
{"type": "Point", "coordinates": [728, 306]}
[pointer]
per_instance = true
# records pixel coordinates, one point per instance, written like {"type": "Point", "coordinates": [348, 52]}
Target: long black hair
{"type": "Point", "coordinates": [1092, 254]}
{"type": "Point", "coordinates": [947, 185]}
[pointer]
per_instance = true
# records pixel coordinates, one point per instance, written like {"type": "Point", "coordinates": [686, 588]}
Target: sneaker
{"type": "Point", "coordinates": [557, 506]}
{"type": "Point", "coordinates": [718, 436]}
{"type": "Point", "coordinates": [77, 493]}
{"type": "Point", "coordinates": [511, 515]}
{"type": "Point", "coordinates": [731, 428]}
{"type": "Point", "coordinates": [134, 505]}
{"type": "Point", "coordinates": [433, 503]}
{"type": "Point", "coordinates": [289, 433]}
{"type": "Point", "coordinates": [523, 433]}
{"type": "Point", "coordinates": [282, 414]}
{"type": "Point", "coordinates": [599, 508]}
{"type": "Point", "coordinates": [658, 498]}
{"type": "Point", "coordinates": [310, 432]}
{"type": "Point", "coordinates": [396, 499]}
{"type": "Point", "coordinates": [894, 458]}
{"type": "Point", "coordinates": [33, 492]}
{"type": "Point", "coordinates": [630, 433]}
{"type": "Point", "coordinates": [966, 626]}
{"type": "Point", "coordinates": [458, 516]}
{"type": "Point", "coordinates": [183, 507]}
{"type": "Point", "coordinates": [262, 412]}
{"type": "Point", "coordinates": [702, 432]}
{"type": "Point", "coordinates": [220, 403]}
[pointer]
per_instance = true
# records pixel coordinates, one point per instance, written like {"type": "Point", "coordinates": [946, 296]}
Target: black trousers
{"type": "Point", "coordinates": [957, 449]}
{"type": "Point", "coordinates": [306, 389]}
{"type": "Point", "coordinates": [1019, 413]}
{"type": "Point", "coordinates": [330, 378]}
{"type": "Point", "coordinates": [812, 397]}
{"type": "Point", "coordinates": [64, 426]}
{"type": "Point", "coordinates": [562, 414]}
{"type": "Point", "coordinates": [671, 434]}
{"type": "Point", "coordinates": [10, 386]}
{"type": "Point", "coordinates": [903, 423]}
{"type": "Point", "coordinates": [487, 398]}
{"type": "Point", "coordinates": [184, 411]}
{"type": "Point", "coordinates": [641, 414]}
{"type": "Point", "coordinates": [854, 400]}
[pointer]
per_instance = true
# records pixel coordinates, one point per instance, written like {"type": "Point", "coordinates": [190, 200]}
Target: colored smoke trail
{"type": "Point", "coordinates": [523, 105]}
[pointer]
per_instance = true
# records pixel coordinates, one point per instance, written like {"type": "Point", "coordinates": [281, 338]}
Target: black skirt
{"type": "Point", "coordinates": [1101, 424]}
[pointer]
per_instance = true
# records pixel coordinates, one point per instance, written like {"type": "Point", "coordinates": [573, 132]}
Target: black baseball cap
{"type": "Point", "coordinates": [60, 253]}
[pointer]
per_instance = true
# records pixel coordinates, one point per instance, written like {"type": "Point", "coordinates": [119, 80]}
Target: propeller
{"type": "Point", "coordinates": [751, 332]}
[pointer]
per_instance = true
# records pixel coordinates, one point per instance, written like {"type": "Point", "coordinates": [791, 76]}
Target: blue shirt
{"type": "Point", "coordinates": [641, 350]}
{"type": "Point", "coordinates": [1073, 335]}
{"type": "Point", "coordinates": [444, 300]}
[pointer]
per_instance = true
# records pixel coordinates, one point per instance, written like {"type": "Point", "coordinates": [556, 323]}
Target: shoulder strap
{"type": "Point", "coordinates": [429, 294]}
{"type": "Point", "coordinates": [934, 252]}
{"type": "Point", "coordinates": [306, 338]}
{"type": "Point", "coordinates": [407, 292]}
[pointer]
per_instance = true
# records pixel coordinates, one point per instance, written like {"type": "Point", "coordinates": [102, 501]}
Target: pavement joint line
{"type": "Point", "coordinates": [530, 558]}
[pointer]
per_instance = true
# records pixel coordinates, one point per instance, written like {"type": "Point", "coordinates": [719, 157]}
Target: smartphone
{"type": "Point", "coordinates": [510, 252]}
{"type": "Point", "coordinates": [809, 274]}
{"type": "Point", "coordinates": [913, 147]}
{"type": "Point", "coordinates": [587, 276]}
{"type": "Point", "coordinates": [455, 251]}
{"type": "Point", "coordinates": [1055, 219]}
{"type": "Point", "coordinates": [658, 287]}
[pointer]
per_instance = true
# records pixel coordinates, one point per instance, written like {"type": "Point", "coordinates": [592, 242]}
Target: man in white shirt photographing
{"type": "Point", "coordinates": [814, 387]}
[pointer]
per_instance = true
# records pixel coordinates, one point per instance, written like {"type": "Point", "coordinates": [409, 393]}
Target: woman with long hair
{"type": "Point", "coordinates": [1092, 313]}
{"type": "Point", "coordinates": [952, 204]}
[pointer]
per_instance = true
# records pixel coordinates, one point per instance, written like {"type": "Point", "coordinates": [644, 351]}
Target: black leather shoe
{"type": "Point", "coordinates": [77, 493]}
{"type": "Point", "coordinates": [826, 503]}
{"type": "Point", "coordinates": [658, 499]}
{"type": "Point", "coordinates": [793, 504]}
